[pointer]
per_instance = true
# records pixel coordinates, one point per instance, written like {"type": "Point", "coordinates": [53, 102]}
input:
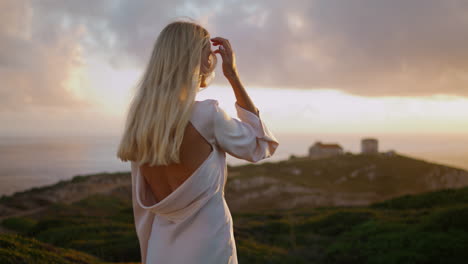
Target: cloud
{"type": "Point", "coordinates": [37, 57]}
{"type": "Point", "coordinates": [363, 47]}
{"type": "Point", "coordinates": [370, 48]}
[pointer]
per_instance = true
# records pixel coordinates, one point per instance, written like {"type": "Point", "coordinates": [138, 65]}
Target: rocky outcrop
{"type": "Point", "coordinates": [445, 177]}
{"type": "Point", "coordinates": [262, 192]}
{"type": "Point", "coordinates": [341, 182]}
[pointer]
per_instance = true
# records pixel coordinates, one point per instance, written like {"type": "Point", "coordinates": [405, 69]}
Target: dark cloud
{"type": "Point", "coordinates": [365, 47]}
{"type": "Point", "coordinates": [369, 48]}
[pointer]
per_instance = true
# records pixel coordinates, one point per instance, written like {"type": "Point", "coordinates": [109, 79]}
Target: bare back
{"type": "Point", "coordinates": [164, 179]}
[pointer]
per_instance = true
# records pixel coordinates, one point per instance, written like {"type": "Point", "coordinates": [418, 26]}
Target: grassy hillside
{"type": "Point", "coordinates": [66, 191]}
{"type": "Point", "coordinates": [382, 174]}
{"type": "Point", "coordinates": [336, 181]}
{"type": "Point", "coordinates": [425, 228]}
{"type": "Point", "coordinates": [101, 225]}
{"type": "Point", "coordinates": [348, 180]}
{"type": "Point", "coordinates": [16, 249]}
{"type": "Point", "coordinates": [290, 211]}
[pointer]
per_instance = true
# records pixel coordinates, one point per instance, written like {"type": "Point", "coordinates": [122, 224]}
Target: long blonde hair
{"type": "Point", "coordinates": [161, 108]}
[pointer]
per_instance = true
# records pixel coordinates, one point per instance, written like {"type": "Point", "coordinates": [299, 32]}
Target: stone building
{"type": "Point", "coordinates": [321, 150]}
{"type": "Point", "coordinates": [369, 146]}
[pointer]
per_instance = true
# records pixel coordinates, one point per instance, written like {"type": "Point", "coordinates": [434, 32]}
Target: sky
{"type": "Point", "coordinates": [316, 66]}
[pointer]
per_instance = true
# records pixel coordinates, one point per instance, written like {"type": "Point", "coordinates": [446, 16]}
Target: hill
{"type": "Point", "coordinates": [294, 211]}
{"type": "Point", "coordinates": [424, 228]}
{"type": "Point", "coordinates": [16, 249]}
{"type": "Point", "coordinates": [348, 180]}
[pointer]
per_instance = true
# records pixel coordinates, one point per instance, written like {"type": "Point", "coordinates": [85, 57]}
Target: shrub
{"type": "Point", "coordinates": [19, 224]}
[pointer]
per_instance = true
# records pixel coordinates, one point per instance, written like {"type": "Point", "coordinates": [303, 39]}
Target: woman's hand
{"type": "Point", "coordinates": [230, 71]}
{"type": "Point", "coordinates": [228, 56]}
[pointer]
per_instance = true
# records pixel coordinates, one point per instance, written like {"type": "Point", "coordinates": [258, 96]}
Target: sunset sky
{"type": "Point", "coordinates": [329, 66]}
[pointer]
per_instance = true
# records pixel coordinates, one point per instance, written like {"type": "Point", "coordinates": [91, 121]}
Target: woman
{"type": "Point", "coordinates": [177, 147]}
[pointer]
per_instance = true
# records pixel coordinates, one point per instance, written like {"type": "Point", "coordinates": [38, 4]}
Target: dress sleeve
{"type": "Point", "coordinates": [246, 138]}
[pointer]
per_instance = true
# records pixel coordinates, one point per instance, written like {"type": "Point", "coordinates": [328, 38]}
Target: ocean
{"type": "Point", "coordinates": [27, 162]}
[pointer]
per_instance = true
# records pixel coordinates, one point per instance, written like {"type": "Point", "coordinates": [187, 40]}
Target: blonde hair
{"type": "Point", "coordinates": [161, 108]}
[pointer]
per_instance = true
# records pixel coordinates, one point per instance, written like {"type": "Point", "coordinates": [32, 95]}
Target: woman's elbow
{"type": "Point", "coordinates": [256, 157]}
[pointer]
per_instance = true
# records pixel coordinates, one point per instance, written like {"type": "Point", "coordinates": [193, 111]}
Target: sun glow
{"type": "Point", "coordinates": [111, 88]}
{"type": "Point", "coordinates": [333, 111]}
{"type": "Point", "coordinates": [290, 110]}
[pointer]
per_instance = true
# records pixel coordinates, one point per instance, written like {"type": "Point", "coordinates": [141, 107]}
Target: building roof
{"type": "Point", "coordinates": [321, 145]}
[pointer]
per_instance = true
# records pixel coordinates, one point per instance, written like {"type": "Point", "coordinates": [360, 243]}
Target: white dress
{"type": "Point", "coordinates": [193, 224]}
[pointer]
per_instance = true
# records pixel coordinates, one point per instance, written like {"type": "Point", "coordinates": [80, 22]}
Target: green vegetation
{"type": "Point", "coordinates": [99, 225]}
{"type": "Point", "coordinates": [426, 228]}
{"type": "Point", "coordinates": [16, 249]}
{"type": "Point", "coordinates": [385, 175]}
{"type": "Point", "coordinates": [441, 198]}
{"type": "Point", "coordinates": [76, 179]}
{"type": "Point", "coordinates": [19, 224]}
